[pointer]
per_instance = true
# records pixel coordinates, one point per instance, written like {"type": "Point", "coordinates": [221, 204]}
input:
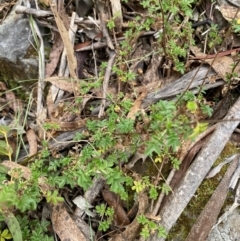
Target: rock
{"type": "Point", "coordinates": [18, 58]}
{"type": "Point", "coordinates": [228, 230]}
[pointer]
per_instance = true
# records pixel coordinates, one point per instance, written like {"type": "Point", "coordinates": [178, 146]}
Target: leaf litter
{"type": "Point", "coordinates": [80, 45]}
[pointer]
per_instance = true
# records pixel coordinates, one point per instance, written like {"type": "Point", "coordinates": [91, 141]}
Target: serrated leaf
{"type": "Point", "coordinates": [5, 234]}
{"type": "Point", "coordinates": [200, 127]}
{"type": "Point", "coordinates": [192, 106]}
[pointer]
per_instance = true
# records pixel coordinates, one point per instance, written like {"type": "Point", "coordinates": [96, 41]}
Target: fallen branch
{"type": "Point", "coordinates": [198, 170]}
{"type": "Point", "coordinates": [208, 216]}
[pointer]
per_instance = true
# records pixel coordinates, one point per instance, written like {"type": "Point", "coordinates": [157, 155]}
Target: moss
{"type": "Point", "coordinates": [200, 199]}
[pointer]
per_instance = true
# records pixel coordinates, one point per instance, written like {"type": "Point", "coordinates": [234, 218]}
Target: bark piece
{"type": "Point", "coordinates": [208, 216]}
{"type": "Point", "coordinates": [198, 170]}
{"type": "Point", "coordinates": [188, 81]}
{"type": "Point", "coordinates": [64, 226]}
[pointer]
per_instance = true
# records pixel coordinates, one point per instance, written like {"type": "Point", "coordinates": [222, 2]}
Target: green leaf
{"type": "Point", "coordinates": [5, 149]}
{"type": "Point", "coordinates": [4, 129]}
{"type": "Point", "coordinates": [13, 226]}
{"type": "Point", "coordinates": [142, 219]}
{"type": "Point", "coordinates": [153, 193]}
{"type": "Point", "coordinates": [52, 197]}
{"type": "Point", "coordinates": [192, 106]}
{"type": "Point", "coordinates": [153, 146]}
{"type": "Point", "coordinates": [201, 127]}
{"type": "Point", "coordinates": [100, 209]}
{"type": "Point", "coordinates": [3, 169]}
{"type": "Point", "coordinates": [162, 232]}
{"type": "Point", "coordinates": [6, 235]}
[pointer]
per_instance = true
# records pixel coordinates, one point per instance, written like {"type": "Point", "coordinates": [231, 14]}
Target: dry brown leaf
{"type": "Point", "coordinates": [45, 2]}
{"type": "Point", "coordinates": [120, 216]}
{"type": "Point", "coordinates": [51, 107]}
{"type": "Point", "coordinates": [55, 54]}
{"type": "Point", "coordinates": [222, 65]}
{"type": "Point", "coordinates": [66, 84]}
{"type": "Point", "coordinates": [135, 108]}
{"type": "Point", "coordinates": [15, 104]}
{"type": "Point", "coordinates": [82, 45]}
{"type": "Point", "coordinates": [72, 62]}
{"type": "Point", "coordinates": [41, 118]}
{"type": "Point", "coordinates": [229, 12]}
{"type": "Point", "coordinates": [64, 225]}
{"type": "Point", "coordinates": [26, 173]}
{"type": "Point", "coordinates": [32, 141]}
{"type": "Point", "coordinates": [3, 86]}
{"type": "Point", "coordinates": [133, 229]}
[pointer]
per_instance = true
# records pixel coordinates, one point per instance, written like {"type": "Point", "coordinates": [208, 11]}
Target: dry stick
{"type": "Point", "coordinates": [232, 207]}
{"type": "Point", "coordinates": [100, 45]}
{"type": "Point", "coordinates": [104, 28]}
{"type": "Point", "coordinates": [208, 216]}
{"type": "Point", "coordinates": [42, 13]}
{"type": "Point", "coordinates": [72, 62]}
{"type": "Point", "coordinates": [72, 33]}
{"type": "Point", "coordinates": [198, 170]}
{"type": "Point", "coordinates": [36, 13]}
{"type": "Point", "coordinates": [112, 55]}
{"type": "Point", "coordinates": [63, 69]}
{"type": "Point", "coordinates": [107, 75]}
{"type": "Point", "coordinates": [179, 86]}
{"type": "Point", "coordinates": [41, 74]}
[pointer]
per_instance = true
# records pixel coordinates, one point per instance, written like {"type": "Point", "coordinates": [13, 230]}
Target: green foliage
{"type": "Point", "coordinates": [236, 26]}
{"type": "Point", "coordinates": [19, 193]}
{"type": "Point", "coordinates": [111, 23]}
{"type": "Point", "coordinates": [107, 214]}
{"type": "Point", "coordinates": [168, 129]}
{"type": "Point", "coordinates": [200, 127]}
{"type": "Point", "coordinates": [174, 41]}
{"type": "Point", "coordinates": [5, 235]}
{"type": "Point", "coordinates": [5, 148]}
{"type": "Point", "coordinates": [34, 230]}
{"type": "Point", "coordinates": [150, 227]}
{"type": "Point", "coordinates": [51, 126]}
{"type": "Point", "coordinates": [52, 197]}
{"type": "Point", "coordinates": [106, 145]}
{"type": "Point", "coordinates": [214, 37]}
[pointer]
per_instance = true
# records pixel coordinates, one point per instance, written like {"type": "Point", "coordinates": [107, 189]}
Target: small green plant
{"type": "Point", "coordinates": [34, 229]}
{"type": "Point", "coordinates": [107, 214]}
{"type": "Point", "coordinates": [111, 23]}
{"type": "Point", "coordinates": [5, 235]}
{"type": "Point", "coordinates": [214, 38]}
{"type": "Point", "coordinates": [236, 26]}
{"type": "Point", "coordinates": [107, 144]}
{"type": "Point", "coordinates": [51, 126]}
{"type": "Point", "coordinates": [149, 227]}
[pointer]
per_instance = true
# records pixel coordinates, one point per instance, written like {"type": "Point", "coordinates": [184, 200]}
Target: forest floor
{"type": "Point", "coordinates": [126, 97]}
